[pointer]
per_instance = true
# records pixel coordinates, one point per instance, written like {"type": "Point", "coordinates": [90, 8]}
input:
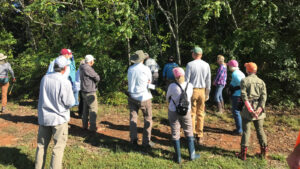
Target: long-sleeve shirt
{"type": "Point", "coordinates": [51, 69]}
{"type": "Point", "coordinates": [221, 76]}
{"type": "Point", "coordinates": [139, 77]}
{"type": "Point", "coordinates": [253, 89]}
{"type": "Point", "coordinates": [153, 66]}
{"type": "Point", "coordinates": [76, 87]}
{"type": "Point", "coordinates": [174, 92]}
{"type": "Point", "coordinates": [72, 75]}
{"type": "Point", "coordinates": [88, 78]}
{"type": "Point", "coordinates": [236, 78]}
{"type": "Point", "coordinates": [167, 71]}
{"type": "Point", "coordinates": [4, 69]}
{"type": "Point", "coordinates": [198, 73]}
{"type": "Point", "coordinates": [55, 100]}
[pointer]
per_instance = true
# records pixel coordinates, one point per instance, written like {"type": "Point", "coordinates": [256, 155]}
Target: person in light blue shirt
{"type": "Point", "coordinates": [139, 79]}
{"type": "Point", "coordinates": [55, 100]}
{"type": "Point", "coordinates": [236, 78]}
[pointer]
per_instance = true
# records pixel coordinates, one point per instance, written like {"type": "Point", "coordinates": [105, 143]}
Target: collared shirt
{"type": "Point", "coordinates": [253, 89]}
{"type": "Point", "coordinates": [88, 78]}
{"type": "Point", "coordinates": [4, 69]}
{"type": "Point", "coordinates": [236, 78]}
{"type": "Point", "coordinates": [153, 66]}
{"type": "Point", "coordinates": [55, 99]}
{"type": "Point", "coordinates": [174, 92]}
{"type": "Point", "coordinates": [168, 70]}
{"type": "Point", "coordinates": [51, 68]}
{"type": "Point", "coordinates": [221, 76]}
{"type": "Point", "coordinates": [139, 77]}
{"type": "Point", "coordinates": [198, 73]}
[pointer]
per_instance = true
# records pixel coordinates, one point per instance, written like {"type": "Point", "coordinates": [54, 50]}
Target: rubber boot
{"type": "Point", "coordinates": [243, 154]}
{"type": "Point", "coordinates": [177, 157]}
{"type": "Point", "coordinates": [220, 108]}
{"type": "Point", "coordinates": [191, 148]}
{"type": "Point", "coordinates": [264, 152]}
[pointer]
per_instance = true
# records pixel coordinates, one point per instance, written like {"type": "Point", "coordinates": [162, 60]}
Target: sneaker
{"type": "Point", "coordinates": [237, 133]}
{"type": "Point", "coordinates": [149, 145]}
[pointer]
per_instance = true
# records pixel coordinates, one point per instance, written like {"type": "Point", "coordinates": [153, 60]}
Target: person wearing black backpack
{"type": "Point", "coordinates": [179, 98]}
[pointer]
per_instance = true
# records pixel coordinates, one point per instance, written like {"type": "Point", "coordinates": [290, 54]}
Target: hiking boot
{"type": "Point", "coordinates": [177, 156]}
{"type": "Point", "coordinates": [134, 142]}
{"type": "Point", "coordinates": [149, 145]}
{"type": "Point", "coordinates": [191, 148]}
{"type": "Point", "coordinates": [220, 109]}
{"type": "Point", "coordinates": [237, 133]}
{"type": "Point", "coordinates": [263, 152]}
{"type": "Point", "coordinates": [243, 154]}
{"type": "Point", "coordinates": [199, 140]}
{"type": "Point", "coordinates": [3, 109]}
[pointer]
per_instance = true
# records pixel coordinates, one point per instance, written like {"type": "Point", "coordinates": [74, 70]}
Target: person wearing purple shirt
{"type": "Point", "coordinates": [220, 82]}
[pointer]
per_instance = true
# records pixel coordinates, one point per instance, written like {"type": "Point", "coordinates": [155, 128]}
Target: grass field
{"type": "Point", "coordinates": [103, 151]}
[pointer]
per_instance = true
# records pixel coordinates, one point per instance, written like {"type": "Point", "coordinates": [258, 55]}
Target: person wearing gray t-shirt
{"type": "Point", "coordinates": [198, 74]}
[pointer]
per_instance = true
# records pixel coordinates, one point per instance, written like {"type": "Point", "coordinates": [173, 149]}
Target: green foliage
{"type": "Point", "coordinates": [265, 32]}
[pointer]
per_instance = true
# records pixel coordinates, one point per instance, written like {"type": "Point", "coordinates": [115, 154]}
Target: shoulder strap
{"type": "Point", "coordinates": [187, 83]}
{"type": "Point", "coordinates": [179, 86]}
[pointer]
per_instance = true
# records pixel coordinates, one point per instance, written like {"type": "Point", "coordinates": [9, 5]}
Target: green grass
{"type": "Point", "coordinates": [125, 157]}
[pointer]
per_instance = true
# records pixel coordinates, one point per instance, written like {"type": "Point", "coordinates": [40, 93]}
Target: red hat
{"type": "Point", "coordinates": [233, 63]}
{"type": "Point", "coordinates": [65, 51]}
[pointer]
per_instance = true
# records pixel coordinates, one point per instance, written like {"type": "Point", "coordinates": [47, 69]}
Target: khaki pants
{"type": "Point", "coordinates": [198, 105]}
{"type": "Point", "coordinates": [177, 121]}
{"type": "Point", "coordinates": [258, 124]}
{"type": "Point", "coordinates": [4, 89]}
{"type": "Point", "coordinates": [146, 107]}
{"type": "Point", "coordinates": [60, 137]}
{"type": "Point", "coordinates": [90, 109]}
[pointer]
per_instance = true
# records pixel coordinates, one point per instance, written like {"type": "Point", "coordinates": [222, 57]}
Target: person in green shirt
{"type": "Point", "coordinates": [254, 95]}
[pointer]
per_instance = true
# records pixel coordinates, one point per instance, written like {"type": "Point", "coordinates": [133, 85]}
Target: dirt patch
{"type": "Point", "coordinates": [281, 139]}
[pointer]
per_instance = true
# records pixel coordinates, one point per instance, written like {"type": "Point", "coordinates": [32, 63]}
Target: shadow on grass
{"type": "Point", "coordinates": [155, 132]}
{"type": "Point", "coordinates": [15, 118]}
{"type": "Point", "coordinates": [13, 156]}
{"type": "Point", "coordinates": [31, 103]}
{"type": "Point", "coordinates": [217, 130]}
{"type": "Point", "coordinates": [116, 144]}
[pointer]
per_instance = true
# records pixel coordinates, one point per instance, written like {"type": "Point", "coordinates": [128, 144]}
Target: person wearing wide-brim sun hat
{"type": "Point", "coordinates": [5, 68]}
{"type": "Point", "coordinates": [254, 95]}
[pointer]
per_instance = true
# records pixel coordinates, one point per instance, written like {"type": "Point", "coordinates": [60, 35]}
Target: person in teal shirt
{"type": "Point", "coordinates": [236, 78]}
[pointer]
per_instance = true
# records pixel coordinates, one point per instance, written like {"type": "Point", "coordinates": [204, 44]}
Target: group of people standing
{"type": "Point", "coordinates": [60, 87]}
{"type": "Point", "coordinates": [195, 83]}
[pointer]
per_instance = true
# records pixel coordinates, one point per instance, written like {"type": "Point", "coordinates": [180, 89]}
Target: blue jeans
{"type": "Point", "coordinates": [236, 113]}
{"type": "Point", "coordinates": [76, 97]}
{"type": "Point", "coordinates": [218, 94]}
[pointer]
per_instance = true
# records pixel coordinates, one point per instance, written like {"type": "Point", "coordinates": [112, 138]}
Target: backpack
{"type": "Point", "coordinates": [183, 105]}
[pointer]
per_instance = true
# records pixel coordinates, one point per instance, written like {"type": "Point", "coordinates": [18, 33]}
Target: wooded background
{"type": "Point", "coordinates": [32, 32]}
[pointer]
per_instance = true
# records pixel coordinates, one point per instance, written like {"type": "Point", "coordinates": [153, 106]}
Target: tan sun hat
{"type": "Point", "coordinates": [2, 56]}
{"type": "Point", "coordinates": [138, 56]}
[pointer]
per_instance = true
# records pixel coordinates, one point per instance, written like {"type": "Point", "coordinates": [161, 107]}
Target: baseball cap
{"type": "Point", "coordinates": [61, 62]}
{"type": "Point", "coordinates": [251, 67]}
{"type": "Point", "coordinates": [197, 50]}
{"type": "Point", "coordinates": [89, 58]}
{"type": "Point", "coordinates": [233, 63]}
{"type": "Point", "coordinates": [178, 71]}
{"type": "Point", "coordinates": [65, 51]}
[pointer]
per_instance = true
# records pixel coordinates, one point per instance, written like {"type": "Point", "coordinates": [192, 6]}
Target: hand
{"type": "Point", "coordinates": [14, 80]}
{"type": "Point", "coordinates": [258, 111]}
{"type": "Point", "coordinates": [206, 97]}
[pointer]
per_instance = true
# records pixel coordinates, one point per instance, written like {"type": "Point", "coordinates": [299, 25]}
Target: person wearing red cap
{"type": "Point", "coordinates": [293, 159]}
{"type": "Point", "coordinates": [254, 95]}
{"type": "Point", "coordinates": [63, 53]}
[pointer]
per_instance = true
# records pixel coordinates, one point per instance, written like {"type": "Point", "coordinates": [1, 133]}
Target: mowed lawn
{"type": "Point", "coordinates": [111, 148]}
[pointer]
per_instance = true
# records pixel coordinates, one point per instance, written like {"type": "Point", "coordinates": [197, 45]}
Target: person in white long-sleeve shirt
{"type": "Point", "coordinates": [198, 73]}
{"type": "Point", "coordinates": [55, 100]}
